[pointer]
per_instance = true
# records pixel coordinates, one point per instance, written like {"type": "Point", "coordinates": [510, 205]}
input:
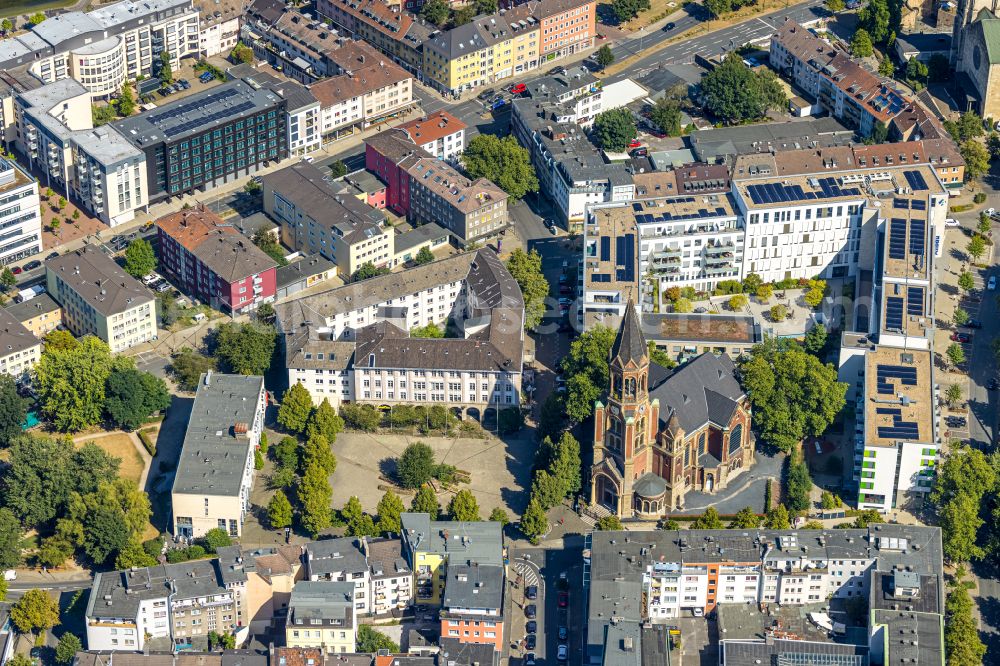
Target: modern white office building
{"type": "Point", "coordinates": [20, 217]}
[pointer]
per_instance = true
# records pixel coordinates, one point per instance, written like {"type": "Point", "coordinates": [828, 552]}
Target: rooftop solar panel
{"type": "Point", "coordinates": [916, 180]}
{"type": "Point", "coordinates": [605, 248]}
{"type": "Point", "coordinates": [915, 301]}
{"type": "Point", "coordinates": [918, 204]}
{"type": "Point", "coordinates": [916, 236]}
{"type": "Point", "coordinates": [897, 238]}
{"type": "Point", "coordinates": [894, 312]}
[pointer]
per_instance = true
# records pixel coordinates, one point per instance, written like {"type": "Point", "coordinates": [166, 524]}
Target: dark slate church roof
{"type": "Point", "coordinates": [703, 390]}
{"type": "Point", "coordinates": [630, 344]}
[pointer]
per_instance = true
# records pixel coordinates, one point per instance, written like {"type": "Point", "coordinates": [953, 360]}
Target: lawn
{"type": "Point", "coordinates": [121, 447]}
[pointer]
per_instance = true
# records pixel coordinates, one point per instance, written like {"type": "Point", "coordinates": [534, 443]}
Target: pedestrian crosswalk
{"type": "Point", "coordinates": [529, 575]}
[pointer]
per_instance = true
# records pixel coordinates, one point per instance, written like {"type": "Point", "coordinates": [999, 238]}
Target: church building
{"type": "Point", "coordinates": [660, 433]}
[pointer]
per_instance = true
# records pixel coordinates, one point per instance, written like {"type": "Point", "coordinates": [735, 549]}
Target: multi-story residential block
{"type": "Point", "coordinates": [104, 48]}
{"type": "Point", "coordinates": [208, 138]}
{"type": "Point", "coordinates": [219, 28]}
{"type": "Point", "coordinates": [20, 350]}
{"type": "Point", "coordinates": [41, 315]}
{"type": "Point", "coordinates": [442, 135]}
{"type": "Point", "coordinates": [433, 547]}
{"type": "Point", "coordinates": [302, 109]}
{"type": "Point", "coordinates": [399, 35]}
{"type": "Point", "coordinates": [565, 27]}
{"type": "Point", "coordinates": [318, 217]}
{"type": "Point", "coordinates": [429, 190]}
{"type": "Point", "coordinates": [20, 216]}
{"type": "Point", "coordinates": [472, 607]}
{"type": "Point", "coordinates": [210, 260]}
{"type": "Point", "coordinates": [216, 465]}
{"type": "Point", "coordinates": [352, 343]}
{"type": "Point", "coordinates": [54, 129]}
{"type": "Point", "coordinates": [661, 434]}
{"type": "Point", "coordinates": [342, 560]}
{"type": "Point", "coordinates": [321, 615]}
{"type": "Point", "coordinates": [391, 577]}
{"type": "Point", "coordinates": [180, 603]}
{"type": "Point", "coordinates": [289, 40]}
{"type": "Point", "coordinates": [269, 575]}
{"type": "Point", "coordinates": [99, 298]}
{"type": "Point", "coordinates": [302, 274]}
{"type": "Point", "coordinates": [656, 576]}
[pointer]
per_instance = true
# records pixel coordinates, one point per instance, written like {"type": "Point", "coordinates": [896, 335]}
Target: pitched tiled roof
{"type": "Point", "coordinates": [99, 280]}
{"type": "Point", "coordinates": [704, 390]}
{"type": "Point", "coordinates": [431, 128]}
{"type": "Point", "coordinates": [217, 244]}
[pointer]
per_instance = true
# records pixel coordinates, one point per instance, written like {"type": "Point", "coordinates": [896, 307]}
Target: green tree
{"type": "Point", "coordinates": [296, 408]}
{"type": "Point", "coordinates": [269, 245]}
{"type": "Point", "coordinates": [10, 540]}
{"type": "Point", "coordinates": [993, 145]}
{"type": "Point", "coordinates": [132, 396]}
{"type": "Point", "coordinates": [659, 356]}
{"type": "Point", "coordinates": [314, 494]}
{"type": "Point", "coordinates": [187, 366]}
{"type": "Point", "coordinates": [436, 12]}
{"type": "Point", "coordinates": [962, 644]}
{"type": "Point", "coordinates": [835, 5]}
{"type": "Point", "coordinates": [549, 490]}
{"type": "Point", "coordinates": [416, 465]}
{"type": "Point", "coordinates": [938, 68]}
{"type": "Point", "coordinates": [502, 160]}
{"type": "Point", "coordinates": [615, 129]}
{"type": "Point", "coordinates": [566, 464]}
{"type": "Point", "coordinates": [861, 44]}
{"type": "Point", "coordinates": [745, 519]}
{"type": "Point", "coordinates": [885, 66]}
{"type": "Point", "coordinates": [215, 539]}
{"type": "Point", "coordinates": [13, 410]}
{"type": "Point", "coordinates": [876, 19]}
{"type": "Point", "coordinates": [777, 518]}
{"type": "Point", "coordinates": [39, 480]}
{"type": "Point", "coordinates": [361, 417]}
{"type": "Point", "coordinates": [734, 93]}
{"type": "Point", "coordinates": [7, 279]}
{"type": "Point", "coordinates": [609, 524]}
{"type": "Point", "coordinates": [252, 188]}
{"type": "Point", "coordinates": [916, 73]}
{"type": "Point", "coordinates": [36, 18]}
{"type": "Point", "coordinates": [666, 114]}
{"type": "Point", "coordinates": [813, 297]}
{"type": "Point", "coordinates": [317, 452]}
{"type": "Point", "coordinates": [955, 354]}
{"type": "Point", "coordinates": [125, 102]}
{"type": "Point", "coordinates": [764, 292]}
{"type": "Point", "coordinates": [279, 511]}
{"type": "Point", "coordinates": [498, 515]}
{"type": "Point", "coordinates": [324, 422]}
{"type": "Point", "coordinates": [140, 259]}
{"type": "Point", "coordinates": [389, 509]}
{"type": "Point", "coordinates": [960, 317]}
{"type": "Point", "coordinates": [368, 270]}
{"type": "Point", "coordinates": [425, 501]}
{"type": "Point", "coordinates": [245, 348]}
{"type": "Point", "coordinates": [966, 282]}
{"type": "Point", "coordinates": [352, 511]}
{"type": "Point", "coordinates": [719, 8]}
{"type": "Point", "coordinates": [534, 522]}
{"type": "Point", "coordinates": [71, 382]}
{"type": "Point", "coordinates": [815, 339]}
{"type": "Point", "coordinates": [793, 394]}
{"type": "Point", "coordinates": [683, 306]}
{"type": "Point", "coordinates": [424, 256]}
{"type": "Point", "coordinates": [526, 268]}
{"type": "Point", "coordinates": [33, 611]}
{"type": "Point", "coordinates": [6, 26]}
{"type": "Point", "coordinates": [953, 394]}
{"type": "Point", "coordinates": [799, 487]}
{"type": "Point", "coordinates": [364, 526]}
{"type": "Point", "coordinates": [338, 169]}
{"type": "Point", "coordinates": [586, 370]}
{"type": "Point", "coordinates": [985, 224]}
{"type": "Point", "coordinates": [370, 641]}
{"type": "Point", "coordinates": [604, 57]}
{"type": "Point", "coordinates": [977, 160]}
{"type": "Point", "coordinates": [432, 331]}
{"type": "Point", "coordinates": [464, 507]}
{"type": "Point", "coordinates": [737, 302]}
{"type": "Point", "coordinates": [828, 500]}
{"type": "Point", "coordinates": [67, 648]}
{"type": "Point", "coordinates": [166, 71]}
{"type": "Point", "coordinates": [708, 521]}
{"type": "Point", "coordinates": [970, 126]}
{"type": "Point", "coordinates": [880, 133]}
{"type": "Point", "coordinates": [241, 54]}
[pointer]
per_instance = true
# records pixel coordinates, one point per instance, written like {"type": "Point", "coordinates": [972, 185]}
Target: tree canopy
{"type": "Point", "coordinates": [296, 407]}
{"type": "Point", "coordinates": [187, 366]}
{"type": "Point", "coordinates": [34, 610]}
{"type": "Point", "coordinates": [131, 396]}
{"type": "Point", "coordinates": [586, 370]}
{"type": "Point", "coordinates": [140, 259]}
{"type": "Point", "coordinates": [416, 465]}
{"type": "Point", "coordinates": [72, 376]}
{"type": "Point", "coordinates": [13, 410]}
{"type": "Point", "coordinates": [666, 114]}
{"type": "Point", "coordinates": [734, 93]}
{"type": "Point", "coordinates": [615, 129]}
{"type": "Point", "coordinates": [861, 44]}
{"type": "Point", "coordinates": [793, 394]}
{"type": "Point", "coordinates": [464, 507]}
{"type": "Point", "coordinates": [245, 348]}
{"type": "Point", "coordinates": [502, 160]}
{"type": "Point", "coordinates": [526, 268]}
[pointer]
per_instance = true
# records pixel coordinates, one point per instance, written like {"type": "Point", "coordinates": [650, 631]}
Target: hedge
{"type": "Point", "coordinates": [147, 442]}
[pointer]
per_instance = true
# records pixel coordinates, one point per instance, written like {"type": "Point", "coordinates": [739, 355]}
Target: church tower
{"type": "Point", "coordinates": [624, 427]}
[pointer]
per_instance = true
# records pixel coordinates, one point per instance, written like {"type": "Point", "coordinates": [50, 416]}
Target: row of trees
{"type": "Point", "coordinates": [526, 268]}
{"type": "Point", "coordinates": [80, 383]}
{"type": "Point", "coordinates": [441, 14]}
{"type": "Point", "coordinates": [557, 476]}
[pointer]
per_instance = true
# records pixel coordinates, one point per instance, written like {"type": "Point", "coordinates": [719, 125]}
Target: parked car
{"type": "Point", "coordinates": [531, 592]}
{"type": "Point", "coordinates": [961, 337]}
{"type": "Point", "coordinates": [992, 284]}
{"type": "Point", "coordinates": [973, 323]}
{"type": "Point", "coordinates": [563, 633]}
{"type": "Point", "coordinates": [32, 265]}
{"type": "Point", "coordinates": [518, 88]}
{"type": "Point", "coordinates": [162, 287]}
{"type": "Point", "coordinates": [562, 653]}
{"type": "Point", "coordinates": [206, 77]}
{"type": "Point", "coordinates": [557, 70]}
{"type": "Point", "coordinates": [530, 641]}
{"type": "Point", "coordinates": [554, 230]}
{"type": "Point", "coordinates": [487, 94]}
{"type": "Point", "coordinates": [563, 600]}
{"type": "Point", "coordinates": [16, 270]}
{"type": "Point", "coordinates": [531, 627]}
{"type": "Point", "coordinates": [634, 143]}
{"type": "Point", "coordinates": [641, 151]}
{"type": "Point", "coordinates": [529, 611]}
{"type": "Point", "coordinates": [951, 222]}
{"type": "Point", "coordinates": [668, 27]}
{"type": "Point", "coordinates": [51, 255]}
{"type": "Point", "coordinates": [956, 422]}
{"type": "Point", "coordinates": [529, 659]}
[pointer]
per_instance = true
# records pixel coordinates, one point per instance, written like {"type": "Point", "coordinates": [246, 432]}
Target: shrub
{"type": "Point", "coordinates": [146, 437]}
{"type": "Point", "coordinates": [979, 198]}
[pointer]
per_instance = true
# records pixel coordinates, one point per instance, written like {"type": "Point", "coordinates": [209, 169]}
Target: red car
{"type": "Point", "coordinates": [563, 600]}
{"type": "Point", "coordinates": [634, 143]}
{"type": "Point", "coordinates": [519, 88]}
{"type": "Point", "coordinates": [16, 270]}
{"type": "Point", "coordinates": [600, 36]}
{"type": "Point", "coordinates": [961, 337]}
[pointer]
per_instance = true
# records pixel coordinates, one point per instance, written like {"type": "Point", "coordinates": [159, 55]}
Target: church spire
{"type": "Point", "coordinates": [630, 343]}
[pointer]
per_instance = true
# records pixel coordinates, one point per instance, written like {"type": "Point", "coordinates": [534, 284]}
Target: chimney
{"type": "Point", "coordinates": [208, 378]}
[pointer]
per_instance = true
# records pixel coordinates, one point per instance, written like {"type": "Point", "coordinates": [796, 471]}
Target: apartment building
{"type": "Point", "coordinates": [289, 40]}
{"type": "Point", "coordinates": [20, 215]}
{"type": "Point", "coordinates": [208, 138]}
{"type": "Point", "coordinates": [391, 576]}
{"type": "Point", "coordinates": [106, 47]}
{"type": "Point", "coordinates": [20, 350]}
{"type": "Point", "coordinates": [429, 190]}
{"type": "Point", "coordinates": [472, 606]}
{"type": "Point", "coordinates": [211, 261]}
{"type": "Point", "coordinates": [442, 135]}
{"type": "Point", "coordinates": [219, 28]}
{"type": "Point", "coordinates": [352, 343]}
{"type": "Point", "coordinates": [400, 35]}
{"type": "Point", "coordinates": [41, 315]}
{"type": "Point", "coordinates": [216, 466]}
{"type": "Point", "coordinates": [342, 560]}
{"type": "Point", "coordinates": [565, 27]}
{"type": "Point", "coordinates": [321, 615]}
{"type": "Point", "coordinates": [433, 547]}
{"type": "Point", "coordinates": [319, 217]}
{"type": "Point", "coordinates": [180, 603]}
{"type": "Point", "coordinates": [98, 298]}
{"type": "Point", "coordinates": [658, 576]}
{"type": "Point", "coordinates": [54, 129]}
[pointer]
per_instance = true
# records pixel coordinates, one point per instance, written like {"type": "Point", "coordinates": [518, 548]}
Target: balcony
{"type": "Point", "coordinates": [721, 260]}
{"type": "Point", "coordinates": [719, 270]}
{"type": "Point", "coordinates": [720, 248]}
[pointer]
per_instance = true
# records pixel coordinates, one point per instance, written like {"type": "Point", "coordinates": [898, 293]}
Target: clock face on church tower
{"type": "Point", "coordinates": [614, 410]}
{"type": "Point", "coordinates": [642, 409]}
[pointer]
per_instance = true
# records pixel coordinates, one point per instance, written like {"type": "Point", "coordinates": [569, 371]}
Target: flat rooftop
{"type": "Point", "coordinates": [788, 191]}
{"type": "Point", "coordinates": [745, 621]}
{"type": "Point", "coordinates": [197, 113]}
{"type": "Point", "coordinates": [677, 327]}
{"type": "Point", "coordinates": [13, 176]}
{"type": "Point", "coordinates": [611, 249]}
{"type": "Point", "coordinates": [898, 394]}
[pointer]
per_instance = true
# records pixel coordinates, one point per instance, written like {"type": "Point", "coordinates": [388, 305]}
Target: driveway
{"type": "Point", "coordinates": [747, 489]}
